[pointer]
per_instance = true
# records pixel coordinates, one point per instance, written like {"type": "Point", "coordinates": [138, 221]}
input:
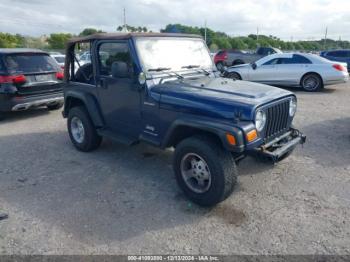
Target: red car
{"type": "Point", "coordinates": [220, 58]}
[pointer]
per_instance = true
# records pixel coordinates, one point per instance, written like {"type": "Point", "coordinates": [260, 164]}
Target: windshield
{"type": "Point", "coordinates": [162, 54]}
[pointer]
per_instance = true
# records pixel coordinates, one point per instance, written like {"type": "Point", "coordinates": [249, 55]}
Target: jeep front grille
{"type": "Point", "coordinates": [277, 119]}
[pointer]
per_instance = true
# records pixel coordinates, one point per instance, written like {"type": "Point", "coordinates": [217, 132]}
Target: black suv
{"type": "Point", "coordinates": [29, 78]}
{"type": "Point", "coordinates": [163, 89]}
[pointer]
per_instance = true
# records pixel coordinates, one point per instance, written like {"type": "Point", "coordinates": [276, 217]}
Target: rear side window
{"type": "Point", "coordinates": [337, 53]}
{"type": "Point", "coordinates": [265, 51]}
{"type": "Point", "coordinates": [296, 59]}
{"type": "Point", "coordinates": [285, 61]}
{"type": "Point", "coordinates": [299, 59]}
{"type": "Point", "coordinates": [29, 63]}
{"type": "Point", "coordinates": [59, 59]}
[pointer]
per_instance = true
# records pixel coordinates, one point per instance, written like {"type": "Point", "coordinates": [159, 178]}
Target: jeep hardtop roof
{"type": "Point", "coordinates": [20, 50]}
{"type": "Point", "coordinates": [123, 36]}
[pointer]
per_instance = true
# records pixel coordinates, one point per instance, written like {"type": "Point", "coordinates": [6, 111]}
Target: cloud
{"type": "Point", "coordinates": [299, 19]}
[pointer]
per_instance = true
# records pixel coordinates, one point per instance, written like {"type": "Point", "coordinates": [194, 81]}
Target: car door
{"type": "Point", "coordinates": [289, 70]}
{"type": "Point", "coordinates": [119, 96]}
{"type": "Point", "coordinates": [264, 73]}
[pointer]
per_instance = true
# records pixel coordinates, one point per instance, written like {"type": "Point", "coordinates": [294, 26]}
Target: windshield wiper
{"type": "Point", "coordinates": [159, 69]}
{"type": "Point", "coordinates": [190, 66]}
{"type": "Point", "coordinates": [206, 72]}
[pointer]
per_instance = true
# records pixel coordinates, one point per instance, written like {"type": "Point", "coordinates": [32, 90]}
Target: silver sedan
{"type": "Point", "coordinates": [311, 72]}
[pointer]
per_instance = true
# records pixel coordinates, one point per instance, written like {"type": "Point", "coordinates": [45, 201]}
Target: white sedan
{"type": "Point", "coordinates": [311, 72]}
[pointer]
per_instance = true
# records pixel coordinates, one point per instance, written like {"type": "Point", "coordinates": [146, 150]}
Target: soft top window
{"type": "Point", "coordinates": [29, 63]}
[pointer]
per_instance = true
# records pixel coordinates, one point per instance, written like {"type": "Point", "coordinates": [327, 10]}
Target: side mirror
{"type": "Point", "coordinates": [254, 66]}
{"type": "Point", "coordinates": [120, 70]}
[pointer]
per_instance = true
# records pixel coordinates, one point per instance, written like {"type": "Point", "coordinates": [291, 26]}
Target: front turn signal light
{"type": "Point", "coordinates": [252, 135]}
{"type": "Point", "coordinates": [231, 139]}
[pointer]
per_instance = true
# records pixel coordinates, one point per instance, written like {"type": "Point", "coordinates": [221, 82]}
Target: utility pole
{"type": "Point", "coordinates": [257, 34]}
{"type": "Point", "coordinates": [325, 39]}
{"type": "Point", "coordinates": [205, 31]}
{"type": "Point", "coordinates": [124, 19]}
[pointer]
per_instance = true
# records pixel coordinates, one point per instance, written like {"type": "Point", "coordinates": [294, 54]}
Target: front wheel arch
{"type": "Point", "coordinates": [182, 132]}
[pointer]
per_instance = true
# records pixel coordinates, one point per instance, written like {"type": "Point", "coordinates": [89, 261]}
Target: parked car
{"type": "Point", "coordinates": [85, 58]}
{"type": "Point", "coordinates": [163, 89]}
{"type": "Point", "coordinates": [311, 72]}
{"type": "Point", "coordinates": [338, 55]}
{"type": "Point", "coordinates": [29, 78]}
{"type": "Point", "coordinates": [60, 59]}
{"type": "Point", "coordinates": [225, 58]}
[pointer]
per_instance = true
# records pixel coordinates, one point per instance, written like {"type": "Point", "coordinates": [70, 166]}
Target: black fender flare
{"type": "Point", "coordinates": [219, 129]}
{"type": "Point", "coordinates": [90, 104]}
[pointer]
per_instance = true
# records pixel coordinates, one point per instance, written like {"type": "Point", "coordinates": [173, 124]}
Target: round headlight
{"type": "Point", "coordinates": [260, 120]}
{"type": "Point", "coordinates": [292, 106]}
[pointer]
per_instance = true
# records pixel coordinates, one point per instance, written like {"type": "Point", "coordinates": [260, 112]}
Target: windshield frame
{"type": "Point", "coordinates": [183, 70]}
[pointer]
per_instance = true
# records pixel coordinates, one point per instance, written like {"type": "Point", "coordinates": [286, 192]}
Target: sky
{"type": "Point", "coordinates": [287, 19]}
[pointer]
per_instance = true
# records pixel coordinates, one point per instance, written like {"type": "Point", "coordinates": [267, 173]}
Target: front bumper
{"type": "Point", "coordinates": [282, 145]}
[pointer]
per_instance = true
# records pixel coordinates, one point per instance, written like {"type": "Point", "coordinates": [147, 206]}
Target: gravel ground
{"type": "Point", "coordinates": [120, 200]}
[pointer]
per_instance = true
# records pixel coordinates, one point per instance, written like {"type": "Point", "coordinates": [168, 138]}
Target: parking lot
{"type": "Point", "coordinates": [124, 200]}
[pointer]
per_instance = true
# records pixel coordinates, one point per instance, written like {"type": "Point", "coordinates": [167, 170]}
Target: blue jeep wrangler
{"type": "Point", "coordinates": [163, 89]}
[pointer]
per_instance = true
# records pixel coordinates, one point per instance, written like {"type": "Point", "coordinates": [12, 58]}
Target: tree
{"type": "Point", "coordinates": [10, 41]}
{"type": "Point", "coordinates": [90, 31]}
{"type": "Point", "coordinates": [222, 42]}
{"type": "Point", "coordinates": [133, 29]}
{"type": "Point", "coordinates": [214, 47]}
{"type": "Point", "coordinates": [237, 43]}
{"type": "Point", "coordinates": [58, 40]}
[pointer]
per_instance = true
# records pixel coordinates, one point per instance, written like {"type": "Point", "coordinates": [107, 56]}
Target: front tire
{"type": "Point", "coordinates": [220, 66]}
{"type": "Point", "coordinates": [204, 171]}
{"type": "Point", "coordinates": [311, 82]}
{"type": "Point", "coordinates": [233, 75]}
{"type": "Point", "coordinates": [81, 130]}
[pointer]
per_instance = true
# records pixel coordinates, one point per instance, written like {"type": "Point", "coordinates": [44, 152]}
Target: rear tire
{"type": "Point", "coordinates": [220, 172]}
{"type": "Point", "coordinates": [311, 82]}
{"type": "Point", "coordinates": [55, 106]}
{"type": "Point", "coordinates": [81, 130]}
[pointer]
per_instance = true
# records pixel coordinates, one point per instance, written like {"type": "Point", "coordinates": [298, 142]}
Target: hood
{"type": "Point", "coordinates": [240, 66]}
{"type": "Point", "coordinates": [216, 97]}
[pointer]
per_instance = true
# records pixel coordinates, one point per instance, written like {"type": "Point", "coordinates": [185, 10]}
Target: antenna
{"type": "Point", "coordinates": [205, 31]}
